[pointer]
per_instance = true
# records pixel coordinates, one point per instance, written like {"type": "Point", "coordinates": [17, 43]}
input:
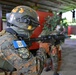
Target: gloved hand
{"type": "Point", "coordinates": [47, 69]}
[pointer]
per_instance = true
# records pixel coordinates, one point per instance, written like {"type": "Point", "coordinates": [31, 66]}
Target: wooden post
{"type": "Point", "coordinates": [1, 26]}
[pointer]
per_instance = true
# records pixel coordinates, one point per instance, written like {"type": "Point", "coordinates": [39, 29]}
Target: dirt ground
{"type": "Point", "coordinates": [69, 55]}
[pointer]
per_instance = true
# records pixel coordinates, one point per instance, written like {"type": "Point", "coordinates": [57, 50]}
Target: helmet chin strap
{"type": "Point", "coordinates": [19, 30]}
{"type": "Point", "coordinates": [13, 32]}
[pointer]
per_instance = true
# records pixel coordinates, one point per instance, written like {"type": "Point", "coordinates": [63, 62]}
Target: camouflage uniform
{"type": "Point", "coordinates": [23, 20]}
{"type": "Point", "coordinates": [11, 58]}
{"type": "Point", "coordinates": [54, 58]}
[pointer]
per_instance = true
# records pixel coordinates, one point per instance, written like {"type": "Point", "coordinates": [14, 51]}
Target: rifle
{"type": "Point", "coordinates": [54, 39]}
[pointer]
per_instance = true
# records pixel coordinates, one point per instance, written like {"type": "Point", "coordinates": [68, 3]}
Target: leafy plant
{"type": "Point", "coordinates": [64, 22]}
{"type": "Point", "coordinates": [51, 22]}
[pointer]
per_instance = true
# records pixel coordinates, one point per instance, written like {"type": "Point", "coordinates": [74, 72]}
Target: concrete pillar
{"type": "Point", "coordinates": [1, 26]}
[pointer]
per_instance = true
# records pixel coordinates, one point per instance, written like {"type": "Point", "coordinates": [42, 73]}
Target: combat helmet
{"type": "Point", "coordinates": [23, 17]}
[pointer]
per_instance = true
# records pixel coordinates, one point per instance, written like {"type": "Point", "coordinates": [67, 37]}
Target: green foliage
{"type": "Point", "coordinates": [64, 22]}
{"type": "Point", "coordinates": [52, 22]}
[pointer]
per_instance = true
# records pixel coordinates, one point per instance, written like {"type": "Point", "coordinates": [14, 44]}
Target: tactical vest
{"type": "Point", "coordinates": [10, 59]}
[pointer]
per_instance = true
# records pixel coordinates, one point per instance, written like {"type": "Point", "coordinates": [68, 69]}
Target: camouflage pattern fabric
{"type": "Point", "coordinates": [2, 32]}
{"type": "Point", "coordinates": [53, 51]}
{"type": "Point", "coordinates": [11, 56]}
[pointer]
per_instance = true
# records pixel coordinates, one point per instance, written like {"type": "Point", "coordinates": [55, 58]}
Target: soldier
{"type": "Point", "coordinates": [14, 51]}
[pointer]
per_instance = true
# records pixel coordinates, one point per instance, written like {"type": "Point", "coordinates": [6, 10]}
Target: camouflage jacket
{"type": "Point", "coordinates": [10, 57]}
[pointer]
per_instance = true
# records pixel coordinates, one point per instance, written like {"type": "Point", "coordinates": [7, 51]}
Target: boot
{"type": "Point", "coordinates": [56, 73]}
